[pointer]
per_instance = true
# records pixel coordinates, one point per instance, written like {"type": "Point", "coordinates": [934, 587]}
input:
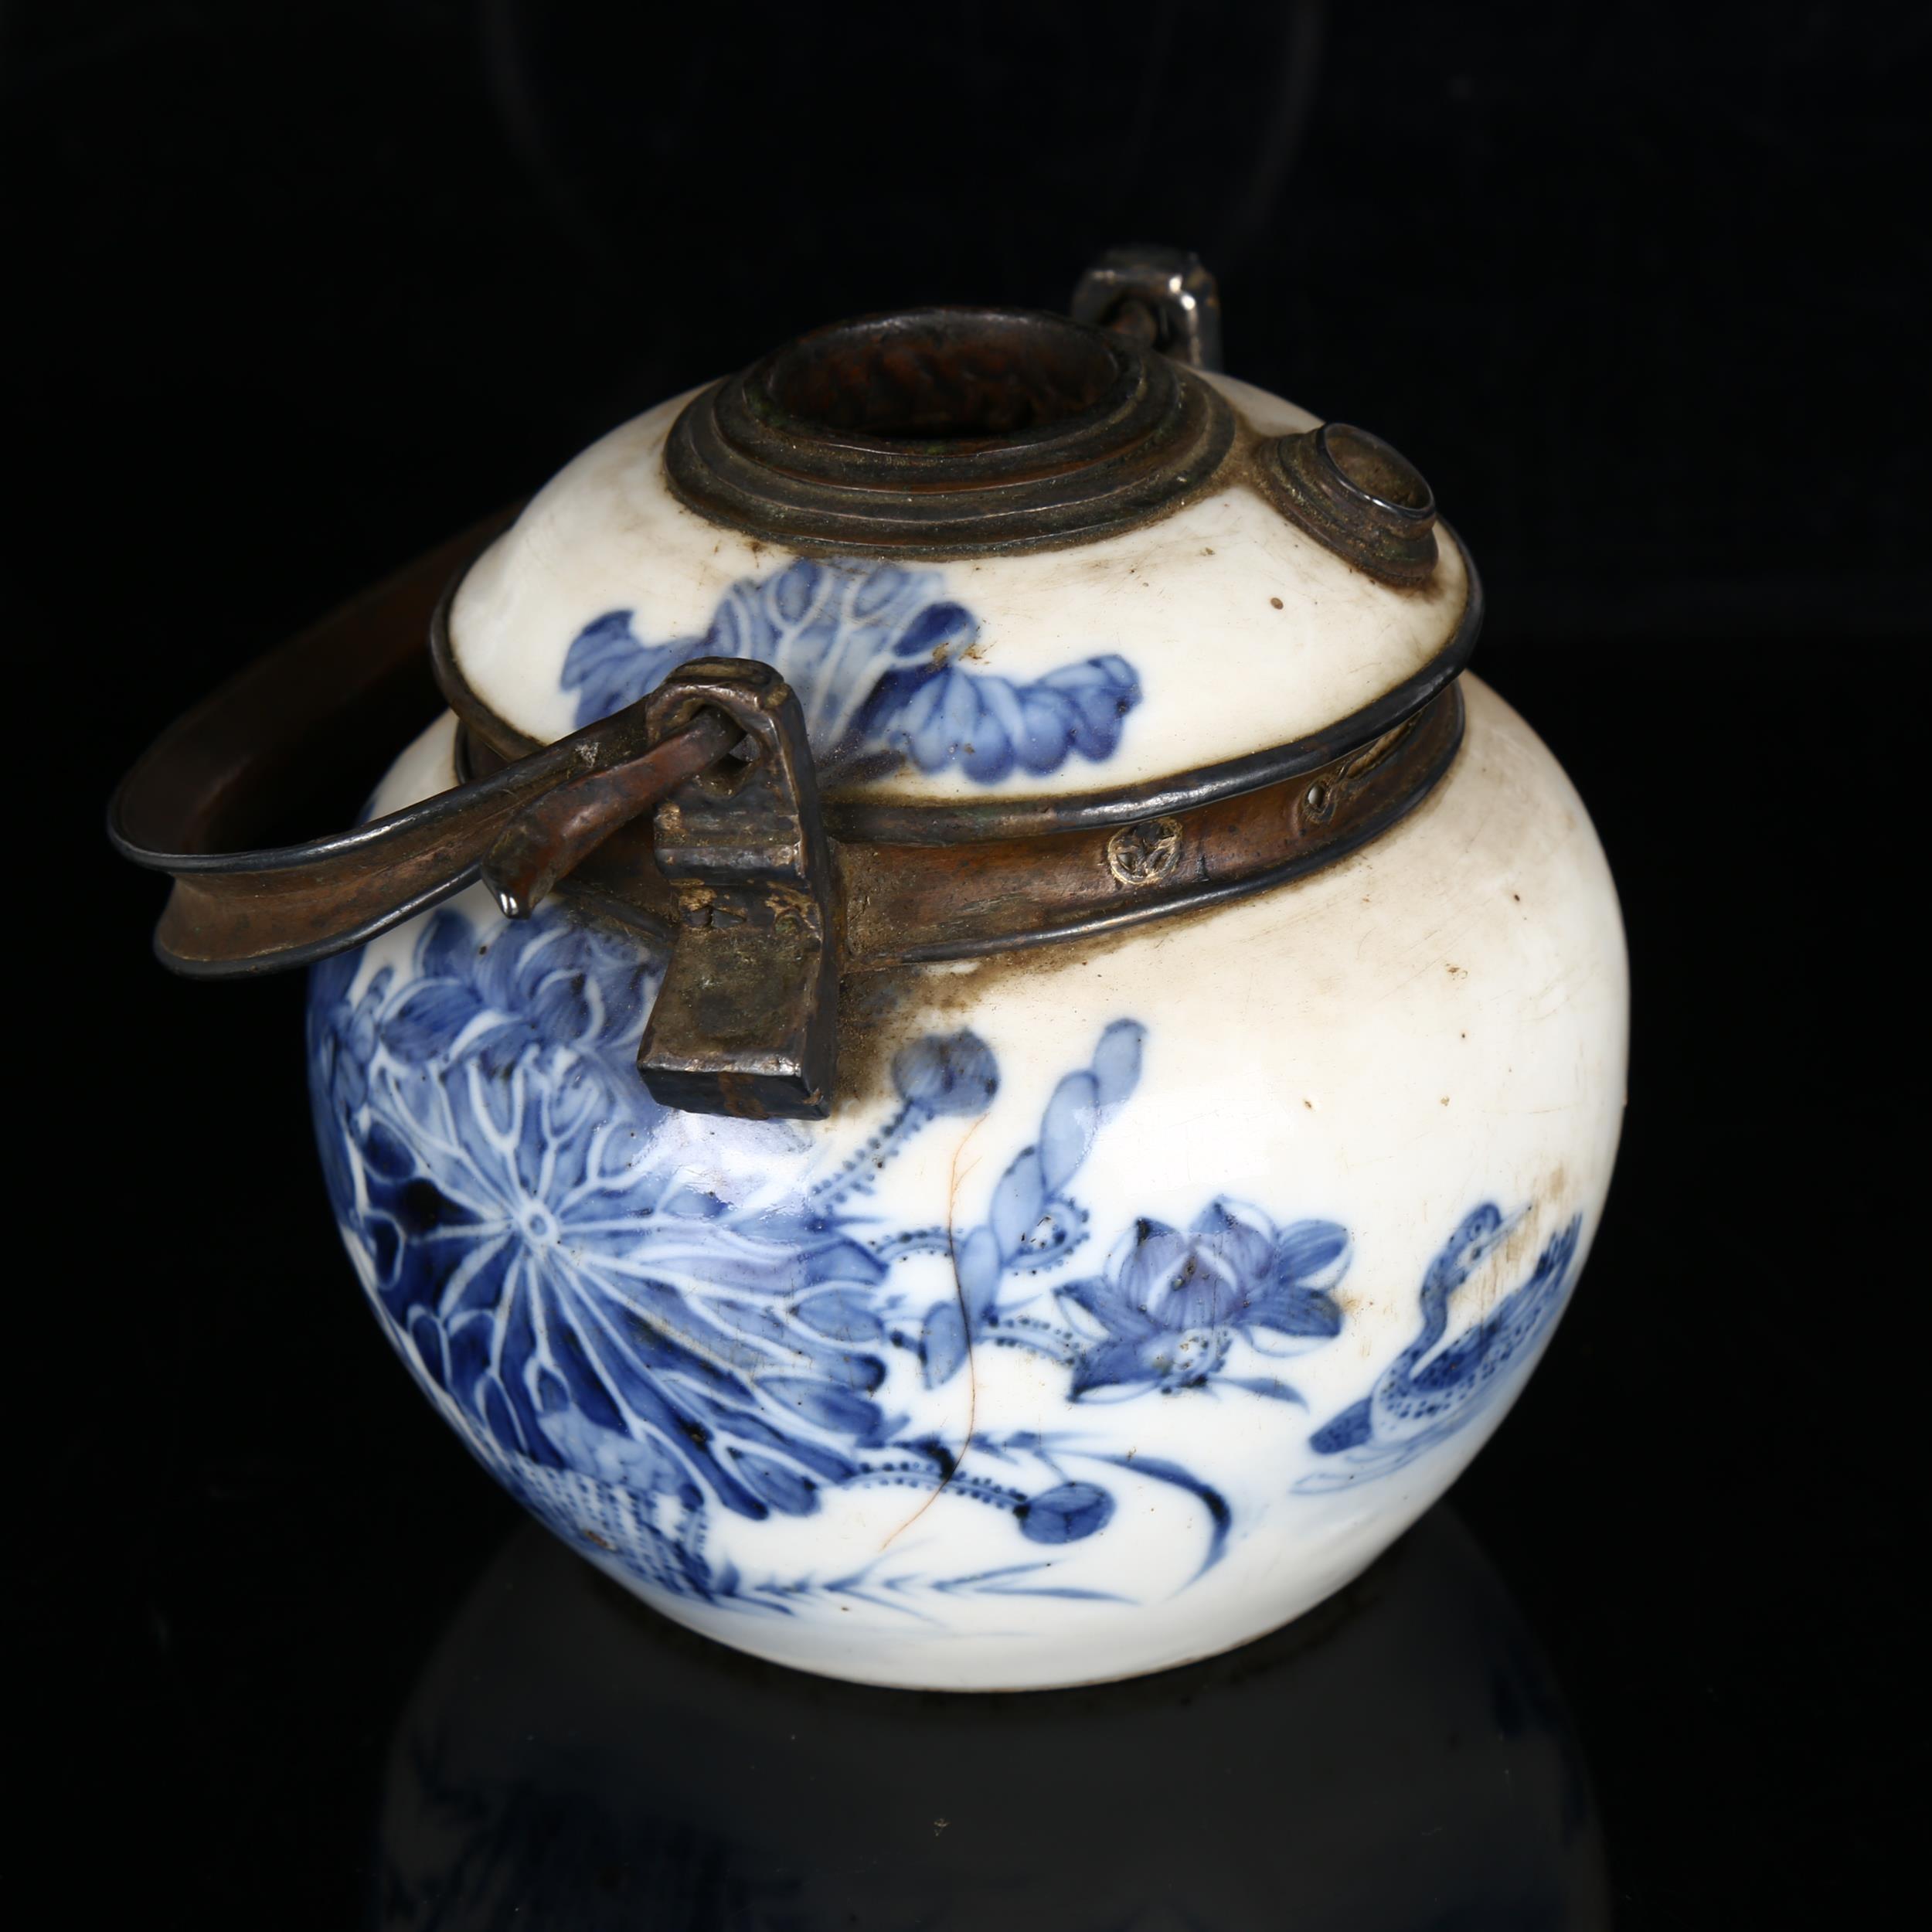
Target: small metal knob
{"type": "Point", "coordinates": [1359, 498]}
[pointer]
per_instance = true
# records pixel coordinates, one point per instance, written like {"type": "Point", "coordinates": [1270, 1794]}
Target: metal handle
{"type": "Point", "coordinates": [555, 833]}
{"type": "Point", "coordinates": [243, 760]}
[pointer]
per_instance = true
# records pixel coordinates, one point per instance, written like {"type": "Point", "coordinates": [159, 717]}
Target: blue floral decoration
{"type": "Point", "coordinates": [629, 1350]}
{"type": "Point", "coordinates": [878, 656]}
{"type": "Point", "coordinates": [1173, 1303]}
{"type": "Point", "coordinates": [640, 1340]}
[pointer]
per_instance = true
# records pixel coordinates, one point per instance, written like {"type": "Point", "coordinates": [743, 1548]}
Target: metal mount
{"type": "Point", "coordinates": [746, 1021]}
{"type": "Point", "coordinates": [1354, 493]}
{"type": "Point", "coordinates": [1162, 296]}
{"type": "Point", "coordinates": [948, 432]}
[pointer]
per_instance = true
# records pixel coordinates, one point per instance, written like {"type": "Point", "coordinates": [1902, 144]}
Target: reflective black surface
{"type": "Point", "coordinates": [1401, 1759]}
{"type": "Point", "coordinates": [298, 291]}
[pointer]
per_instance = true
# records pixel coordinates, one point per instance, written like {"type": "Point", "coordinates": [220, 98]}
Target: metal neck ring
{"type": "Point", "coordinates": [944, 431]}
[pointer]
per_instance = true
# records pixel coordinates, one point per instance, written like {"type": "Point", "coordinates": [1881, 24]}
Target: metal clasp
{"type": "Point", "coordinates": [746, 1021]}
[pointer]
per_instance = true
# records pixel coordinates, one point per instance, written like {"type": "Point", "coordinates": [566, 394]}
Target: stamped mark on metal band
{"type": "Point", "coordinates": [1144, 852]}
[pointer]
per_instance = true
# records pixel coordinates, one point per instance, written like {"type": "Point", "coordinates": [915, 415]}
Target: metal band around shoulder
{"type": "Point", "coordinates": [908, 883]}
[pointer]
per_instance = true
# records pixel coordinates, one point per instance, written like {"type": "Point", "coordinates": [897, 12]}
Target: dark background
{"type": "Point", "coordinates": [296, 290]}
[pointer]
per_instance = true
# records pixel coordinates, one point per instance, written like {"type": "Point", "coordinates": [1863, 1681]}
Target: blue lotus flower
{"type": "Point", "coordinates": [1172, 1302]}
{"type": "Point", "coordinates": [878, 656]}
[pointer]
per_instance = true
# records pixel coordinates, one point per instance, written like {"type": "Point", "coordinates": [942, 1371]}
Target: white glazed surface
{"type": "Point", "coordinates": [1436, 1023]}
{"type": "Point", "coordinates": [1303, 637]}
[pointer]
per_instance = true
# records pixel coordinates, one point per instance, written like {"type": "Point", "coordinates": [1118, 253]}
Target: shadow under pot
{"type": "Point", "coordinates": [1401, 1758]}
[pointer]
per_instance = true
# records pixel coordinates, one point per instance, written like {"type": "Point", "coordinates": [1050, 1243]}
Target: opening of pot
{"type": "Point", "coordinates": [1372, 468]}
{"type": "Point", "coordinates": [948, 429]}
{"type": "Point", "coordinates": [943, 375]}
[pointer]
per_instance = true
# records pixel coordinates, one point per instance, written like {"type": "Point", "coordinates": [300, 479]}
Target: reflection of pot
{"type": "Point", "coordinates": [1401, 1760]}
{"type": "Point", "coordinates": [1038, 1066]}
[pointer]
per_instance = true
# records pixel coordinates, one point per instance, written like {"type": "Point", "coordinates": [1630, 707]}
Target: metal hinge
{"type": "Point", "coordinates": [1162, 296]}
{"type": "Point", "coordinates": [745, 1021]}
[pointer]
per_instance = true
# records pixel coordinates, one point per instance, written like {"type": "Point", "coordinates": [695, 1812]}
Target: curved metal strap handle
{"type": "Point", "coordinates": [241, 759]}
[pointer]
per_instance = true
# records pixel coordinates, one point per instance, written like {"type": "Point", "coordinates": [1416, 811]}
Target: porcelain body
{"type": "Point", "coordinates": [1136, 1293]}
{"type": "Point", "coordinates": [1220, 630]}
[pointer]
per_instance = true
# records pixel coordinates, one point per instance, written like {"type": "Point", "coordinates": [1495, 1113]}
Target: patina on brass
{"type": "Point", "coordinates": [945, 432]}
{"type": "Point", "coordinates": [746, 1020]}
{"type": "Point", "coordinates": [1355, 493]}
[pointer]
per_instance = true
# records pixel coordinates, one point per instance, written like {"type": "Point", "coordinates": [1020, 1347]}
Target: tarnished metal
{"type": "Point", "coordinates": [1352, 492]}
{"type": "Point", "coordinates": [949, 431]}
{"type": "Point", "coordinates": [962, 901]}
{"type": "Point", "coordinates": [746, 1021]}
{"type": "Point", "coordinates": [1143, 853]}
{"type": "Point", "coordinates": [965, 898]}
{"type": "Point", "coordinates": [1162, 296]}
{"type": "Point", "coordinates": [249, 756]}
{"type": "Point", "coordinates": [557, 831]}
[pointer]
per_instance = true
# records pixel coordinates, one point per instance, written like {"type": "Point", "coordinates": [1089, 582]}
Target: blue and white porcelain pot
{"type": "Point", "coordinates": [967, 1056]}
